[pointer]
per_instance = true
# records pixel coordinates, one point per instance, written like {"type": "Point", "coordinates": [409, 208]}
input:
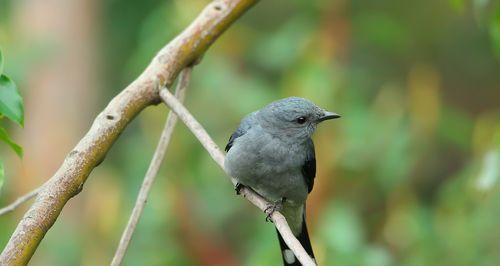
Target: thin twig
{"type": "Point", "coordinates": [216, 154]}
{"type": "Point", "coordinates": [154, 166]}
{"type": "Point", "coordinates": [19, 201]}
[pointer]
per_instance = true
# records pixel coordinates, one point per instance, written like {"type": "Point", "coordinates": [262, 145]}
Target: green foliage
{"type": "Point", "coordinates": [487, 14]}
{"type": "Point", "coordinates": [495, 31]}
{"type": "Point", "coordinates": [458, 5]}
{"type": "Point", "coordinates": [11, 106]}
{"type": "Point", "coordinates": [4, 136]}
{"type": "Point", "coordinates": [11, 103]}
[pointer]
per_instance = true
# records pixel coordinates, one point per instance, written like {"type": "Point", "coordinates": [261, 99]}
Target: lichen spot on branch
{"type": "Point", "coordinates": [111, 116]}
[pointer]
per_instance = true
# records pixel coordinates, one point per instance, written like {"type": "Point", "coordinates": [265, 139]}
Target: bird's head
{"type": "Point", "coordinates": [293, 118]}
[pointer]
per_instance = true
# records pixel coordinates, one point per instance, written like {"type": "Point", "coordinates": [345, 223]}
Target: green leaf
{"type": "Point", "coordinates": [2, 175]}
{"type": "Point", "coordinates": [11, 103]}
{"type": "Point", "coordinates": [1, 62]}
{"type": "Point", "coordinates": [6, 138]}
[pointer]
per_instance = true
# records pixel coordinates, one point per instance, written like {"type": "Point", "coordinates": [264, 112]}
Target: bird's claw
{"type": "Point", "coordinates": [276, 206]}
{"type": "Point", "coordinates": [238, 188]}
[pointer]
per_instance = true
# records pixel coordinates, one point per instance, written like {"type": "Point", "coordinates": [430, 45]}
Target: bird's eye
{"type": "Point", "coordinates": [301, 120]}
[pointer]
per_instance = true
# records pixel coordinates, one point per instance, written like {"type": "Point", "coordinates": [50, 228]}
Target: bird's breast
{"type": "Point", "coordinates": [268, 165]}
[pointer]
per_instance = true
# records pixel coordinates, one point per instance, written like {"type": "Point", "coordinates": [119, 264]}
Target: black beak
{"type": "Point", "coordinates": [328, 116]}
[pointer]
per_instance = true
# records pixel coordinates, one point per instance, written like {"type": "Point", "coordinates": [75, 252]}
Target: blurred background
{"type": "Point", "coordinates": [408, 176]}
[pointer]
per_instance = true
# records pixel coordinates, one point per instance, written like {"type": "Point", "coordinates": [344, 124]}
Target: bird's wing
{"type": "Point", "coordinates": [245, 125]}
{"type": "Point", "coordinates": [309, 167]}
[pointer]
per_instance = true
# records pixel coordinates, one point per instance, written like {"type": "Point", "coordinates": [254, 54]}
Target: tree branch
{"type": "Point", "coordinates": [154, 166]}
{"type": "Point", "coordinates": [90, 151]}
{"type": "Point", "coordinates": [20, 200]}
{"type": "Point", "coordinates": [216, 154]}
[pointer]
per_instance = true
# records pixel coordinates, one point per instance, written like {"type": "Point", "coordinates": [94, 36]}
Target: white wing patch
{"type": "Point", "coordinates": [288, 255]}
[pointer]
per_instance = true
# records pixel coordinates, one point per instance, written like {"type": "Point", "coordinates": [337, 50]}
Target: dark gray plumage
{"type": "Point", "coordinates": [273, 153]}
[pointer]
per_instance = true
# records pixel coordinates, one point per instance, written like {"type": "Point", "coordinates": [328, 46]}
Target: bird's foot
{"type": "Point", "coordinates": [275, 206]}
{"type": "Point", "coordinates": [238, 188]}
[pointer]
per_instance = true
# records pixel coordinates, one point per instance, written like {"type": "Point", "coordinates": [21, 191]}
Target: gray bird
{"type": "Point", "coordinates": [272, 152]}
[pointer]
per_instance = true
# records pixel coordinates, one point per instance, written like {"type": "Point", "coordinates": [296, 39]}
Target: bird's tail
{"type": "Point", "coordinates": [303, 237]}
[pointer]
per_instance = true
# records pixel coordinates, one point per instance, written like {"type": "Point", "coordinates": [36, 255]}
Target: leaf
{"type": "Point", "coordinates": [2, 175]}
{"type": "Point", "coordinates": [6, 138]}
{"type": "Point", "coordinates": [11, 103]}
